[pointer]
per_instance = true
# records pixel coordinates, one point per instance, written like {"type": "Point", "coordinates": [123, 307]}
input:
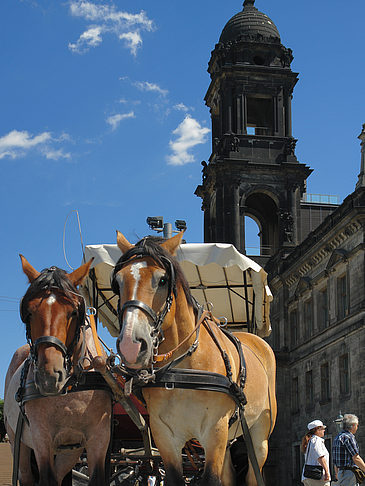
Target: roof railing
{"type": "Point", "coordinates": [320, 198]}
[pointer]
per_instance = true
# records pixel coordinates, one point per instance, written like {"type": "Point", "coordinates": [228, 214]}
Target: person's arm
{"type": "Point", "coordinates": [358, 462]}
{"type": "Point", "coordinates": [322, 461]}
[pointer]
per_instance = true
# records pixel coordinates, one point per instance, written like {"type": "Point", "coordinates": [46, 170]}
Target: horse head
{"type": "Point", "coordinates": [53, 311]}
{"type": "Point", "coordinates": [145, 279]}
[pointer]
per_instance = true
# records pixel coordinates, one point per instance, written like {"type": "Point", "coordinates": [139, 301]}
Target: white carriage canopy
{"type": "Point", "coordinates": [231, 285]}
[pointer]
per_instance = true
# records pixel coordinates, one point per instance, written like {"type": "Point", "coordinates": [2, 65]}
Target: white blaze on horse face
{"type": "Point", "coordinates": [130, 344]}
{"type": "Point", "coordinates": [51, 299]}
{"type": "Point", "coordinates": [135, 271]}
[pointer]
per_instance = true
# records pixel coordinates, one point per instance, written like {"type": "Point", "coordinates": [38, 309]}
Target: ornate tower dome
{"type": "Point", "coordinates": [250, 24]}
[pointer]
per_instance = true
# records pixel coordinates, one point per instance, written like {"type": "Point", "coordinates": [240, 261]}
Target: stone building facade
{"type": "Point", "coordinates": [318, 320]}
{"type": "Point", "coordinates": [314, 252]}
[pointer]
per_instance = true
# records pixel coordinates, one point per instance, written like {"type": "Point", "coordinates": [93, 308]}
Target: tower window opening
{"type": "Point", "coordinates": [252, 237]}
{"type": "Point", "coordinates": [260, 115]}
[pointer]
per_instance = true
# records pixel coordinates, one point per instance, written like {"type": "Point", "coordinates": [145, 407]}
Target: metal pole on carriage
{"type": "Point", "coordinates": [156, 224]}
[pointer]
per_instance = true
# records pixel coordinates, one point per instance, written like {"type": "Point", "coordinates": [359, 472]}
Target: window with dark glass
{"type": "Point", "coordinates": [322, 309]}
{"type": "Point", "coordinates": [325, 382]}
{"type": "Point", "coordinates": [308, 318]}
{"type": "Point", "coordinates": [344, 374]}
{"type": "Point", "coordinates": [295, 394]}
{"type": "Point", "coordinates": [342, 297]}
{"type": "Point", "coordinates": [294, 337]}
{"type": "Point", "coordinates": [309, 396]}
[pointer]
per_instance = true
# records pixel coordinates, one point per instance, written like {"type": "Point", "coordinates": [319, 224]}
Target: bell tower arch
{"type": "Point", "coordinates": [253, 170]}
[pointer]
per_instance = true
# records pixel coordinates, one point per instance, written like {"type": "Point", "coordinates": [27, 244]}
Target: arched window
{"type": "Point", "coordinates": [252, 237]}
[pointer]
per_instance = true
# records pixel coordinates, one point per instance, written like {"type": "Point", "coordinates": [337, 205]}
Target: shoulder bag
{"type": "Point", "coordinates": [359, 474]}
{"type": "Point", "coordinates": [312, 472]}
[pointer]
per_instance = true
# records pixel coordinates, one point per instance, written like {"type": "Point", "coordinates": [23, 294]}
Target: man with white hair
{"type": "Point", "coordinates": [345, 452]}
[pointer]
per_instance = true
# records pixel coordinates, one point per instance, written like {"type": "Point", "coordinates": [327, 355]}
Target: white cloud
{"type": "Point", "coordinates": [114, 120]}
{"type": "Point", "coordinates": [189, 134]}
{"type": "Point", "coordinates": [90, 38]}
{"type": "Point", "coordinates": [133, 40]}
{"type": "Point", "coordinates": [181, 107]}
{"type": "Point", "coordinates": [106, 19]}
{"type": "Point", "coordinates": [18, 143]}
{"type": "Point", "coordinates": [52, 154]}
{"type": "Point", "coordinates": [146, 86]}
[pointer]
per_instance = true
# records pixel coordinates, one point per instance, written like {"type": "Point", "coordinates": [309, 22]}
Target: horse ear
{"type": "Point", "coordinates": [123, 243]}
{"type": "Point", "coordinates": [79, 275]}
{"type": "Point", "coordinates": [172, 244]}
{"type": "Point", "coordinates": [29, 271]}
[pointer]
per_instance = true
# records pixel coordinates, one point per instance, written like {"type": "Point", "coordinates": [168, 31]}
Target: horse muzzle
{"type": "Point", "coordinates": [50, 382]}
{"type": "Point", "coordinates": [135, 352]}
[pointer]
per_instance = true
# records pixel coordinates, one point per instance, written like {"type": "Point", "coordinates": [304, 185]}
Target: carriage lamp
{"type": "Point", "coordinates": [338, 422]}
{"type": "Point", "coordinates": [155, 222]}
{"type": "Point", "coordinates": [180, 224]}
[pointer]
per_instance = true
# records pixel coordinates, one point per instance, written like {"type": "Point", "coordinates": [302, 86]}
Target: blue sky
{"type": "Point", "coordinates": [102, 112]}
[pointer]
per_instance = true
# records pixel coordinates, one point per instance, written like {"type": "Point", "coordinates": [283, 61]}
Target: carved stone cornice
{"type": "Point", "coordinates": [323, 253]}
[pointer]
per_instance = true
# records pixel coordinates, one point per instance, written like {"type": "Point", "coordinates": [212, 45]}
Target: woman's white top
{"type": "Point", "coordinates": [315, 450]}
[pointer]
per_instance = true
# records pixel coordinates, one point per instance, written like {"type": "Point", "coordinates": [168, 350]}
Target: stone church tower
{"type": "Point", "coordinates": [253, 170]}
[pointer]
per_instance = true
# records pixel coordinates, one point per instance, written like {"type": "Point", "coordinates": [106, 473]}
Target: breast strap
{"type": "Point", "coordinates": [90, 380]}
{"type": "Point", "coordinates": [193, 380]}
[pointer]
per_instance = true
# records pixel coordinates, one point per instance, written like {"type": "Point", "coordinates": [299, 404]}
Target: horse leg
{"type": "Point", "coordinates": [228, 473]}
{"type": "Point", "coordinates": [260, 435]}
{"type": "Point", "coordinates": [170, 451]}
{"type": "Point", "coordinates": [26, 476]}
{"type": "Point", "coordinates": [45, 462]}
{"type": "Point", "coordinates": [214, 441]}
{"type": "Point", "coordinates": [25, 473]}
{"type": "Point", "coordinates": [63, 464]}
{"type": "Point", "coordinates": [97, 449]}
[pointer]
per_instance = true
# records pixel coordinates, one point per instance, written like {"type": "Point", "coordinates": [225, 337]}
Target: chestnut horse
{"type": "Point", "coordinates": [58, 426]}
{"type": "Point", "coordinates": [159, 321]}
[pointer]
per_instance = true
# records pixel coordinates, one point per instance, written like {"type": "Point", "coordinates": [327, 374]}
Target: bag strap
{"type": "Point", "coordinates": [307, 451]}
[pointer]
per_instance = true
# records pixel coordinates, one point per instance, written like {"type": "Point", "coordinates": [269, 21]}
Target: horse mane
{"type": "Point", "coordinates": [151, 246]}
{"type": "Point", "coordinates": [48, 279]}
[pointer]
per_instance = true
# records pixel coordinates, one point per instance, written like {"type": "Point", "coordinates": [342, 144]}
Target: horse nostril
{"type": "Point", "coordinates": [143, 345]}
{"type": "Point", "coordinates": [59, 376]}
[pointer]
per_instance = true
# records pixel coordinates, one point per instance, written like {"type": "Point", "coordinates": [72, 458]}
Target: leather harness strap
{"type": "Point", "coordinates": [16, 452]}
{"type": "Point", "coordinates": [166, 356]}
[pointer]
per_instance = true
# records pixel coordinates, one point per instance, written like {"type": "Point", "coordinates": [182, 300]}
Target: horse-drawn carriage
{"type": "Point", "coordinates": [182, 388]}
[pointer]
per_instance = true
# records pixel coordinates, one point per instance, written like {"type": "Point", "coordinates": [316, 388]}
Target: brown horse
{"type": "Point", "coordinates": [158, 319]}
{"type": "Point", "coordinates": [59, 426]}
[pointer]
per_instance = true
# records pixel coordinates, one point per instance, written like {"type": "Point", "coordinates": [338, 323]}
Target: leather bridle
{"type": "Point", "coordinates": [157, 319]}
{"type": "Point", "coordinates": [67, 351]}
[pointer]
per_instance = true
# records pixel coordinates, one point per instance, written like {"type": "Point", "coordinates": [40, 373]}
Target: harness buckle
{"type": "Point", "coordinates": [169, 386]}
{"type": "Point", "coordinates": [128, 387]}
{"type": "Point", "coordinates": [91, 311]}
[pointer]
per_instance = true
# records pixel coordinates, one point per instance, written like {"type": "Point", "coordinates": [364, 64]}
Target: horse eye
{"type": "Point", "coordinates": [163, 281]}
